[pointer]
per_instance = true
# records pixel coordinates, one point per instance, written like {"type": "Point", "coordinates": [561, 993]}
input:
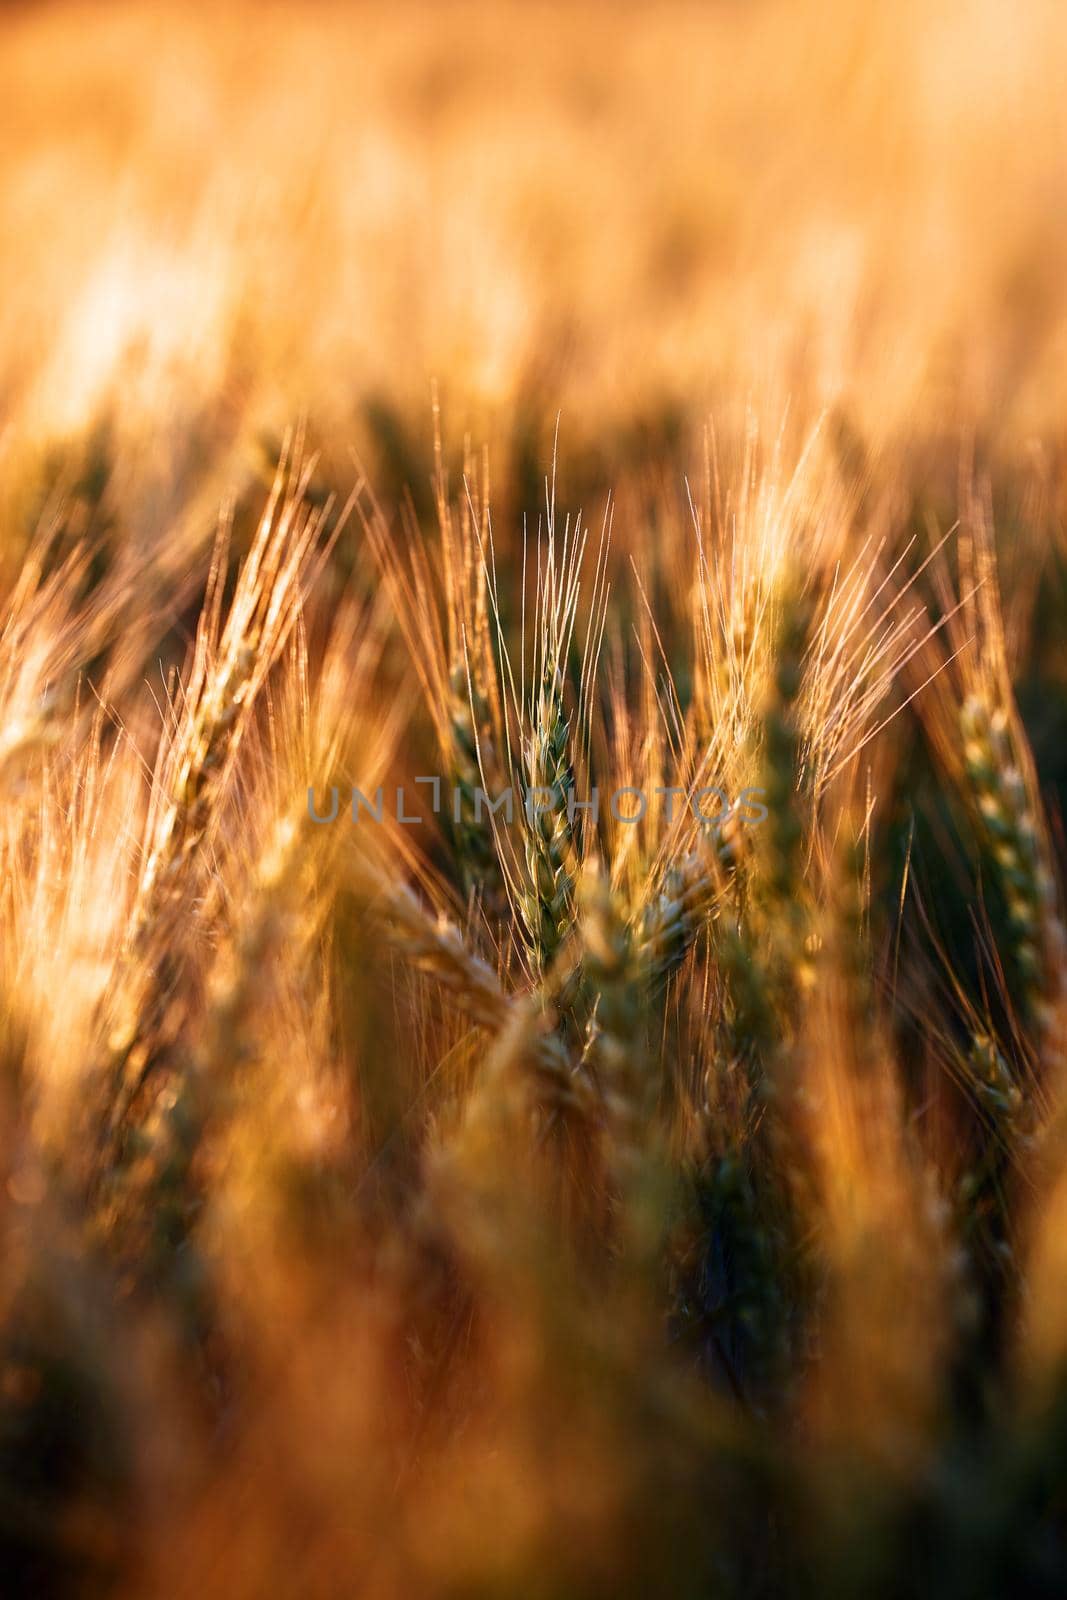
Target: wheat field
{"type": "Point", "coordinates": [533, 963]}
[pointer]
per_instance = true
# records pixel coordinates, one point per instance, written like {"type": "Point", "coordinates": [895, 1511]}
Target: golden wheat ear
{"type": "Point", "coordinates": [143, 1018]}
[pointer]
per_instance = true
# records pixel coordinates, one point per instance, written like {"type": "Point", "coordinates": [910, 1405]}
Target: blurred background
{"type": "Point", "coordinates": [631, 215]}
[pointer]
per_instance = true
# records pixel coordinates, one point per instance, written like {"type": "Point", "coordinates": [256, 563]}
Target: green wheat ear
{"type": "Point", "coordinates": [1014, 842]}
{"type": "Point", "coordinates": [613, 973]}
{"type": "Point", "coordinates": [617, 973]}
{"type": "Point", "coordinates": [546, 900]}
{"type": "Point", "coordinates": [766, 957]}
{"type": "Point", "coordinates": [765, 961]}
{"type": "Point", "coordinates": [783, 757]}
{"type": "Point", "coordinates": [687, 901]}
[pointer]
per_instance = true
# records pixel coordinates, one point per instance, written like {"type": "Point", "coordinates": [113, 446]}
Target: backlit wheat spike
{"type": "Point", "coordinates": [783, 752]}
{"type": "Point", "coordinates": [1016, 845]}
{"type": "Point", "coordinates": [683, 906]}
{"type": "Point", "coordinates": [766, 957]}
{"type": "Point", "coordinates": [1008, 1122]}
{"type": "Point", "coordinates": [616, 972]}
{"type": "Point", "coordinates": [150, 1198]}
{"type": "Point", "coordinates": [441, 600]}
{"type": "Point", "coordinates": [231, 663]}
{"type": "Point", "coordinates": [613, 970]}
{"type": "Point", "coordinates": [546, 899]}
{"type": "Point", "coordinates": [196, 758]}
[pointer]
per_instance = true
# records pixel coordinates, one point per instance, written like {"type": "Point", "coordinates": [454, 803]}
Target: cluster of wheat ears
{"type": "Point", "coordinates": [575, 1206]}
